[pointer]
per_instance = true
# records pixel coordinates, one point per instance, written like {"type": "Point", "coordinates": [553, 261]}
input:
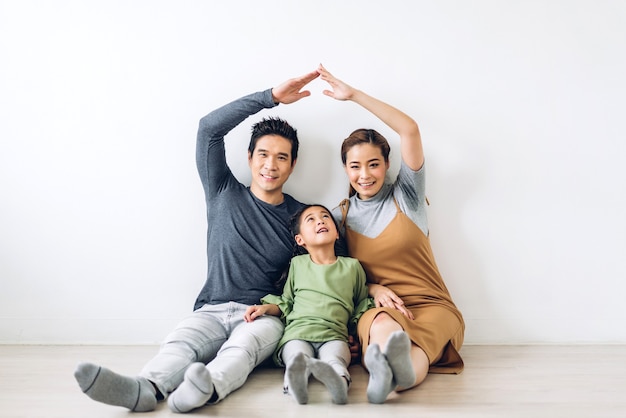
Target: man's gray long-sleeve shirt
{"type": "Point", "coordinates": [248, 241]}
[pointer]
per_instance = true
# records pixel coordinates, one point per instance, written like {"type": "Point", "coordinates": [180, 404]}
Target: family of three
{"type": "Point", "coordinates": [280, 282]}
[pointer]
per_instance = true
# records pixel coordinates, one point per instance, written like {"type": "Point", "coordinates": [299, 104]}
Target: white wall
{"type": "Point", "coordinates": [521, 107]}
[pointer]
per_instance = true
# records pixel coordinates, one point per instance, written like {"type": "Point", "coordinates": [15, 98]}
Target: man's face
{"type": "Point", "coordinates": [270, 166]}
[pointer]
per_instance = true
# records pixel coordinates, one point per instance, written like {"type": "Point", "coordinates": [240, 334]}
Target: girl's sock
{"type": "Point", "coordinates": [336, 384]}
{"type": "Point", "coordinates": [297, 378]}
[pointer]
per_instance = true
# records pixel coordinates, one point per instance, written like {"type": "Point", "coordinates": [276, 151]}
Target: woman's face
{"type": "Point", "coordinates": [366, 169]}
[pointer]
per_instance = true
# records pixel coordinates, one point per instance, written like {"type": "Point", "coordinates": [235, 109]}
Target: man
{"type": "Point", "coordinates": [212, 352]}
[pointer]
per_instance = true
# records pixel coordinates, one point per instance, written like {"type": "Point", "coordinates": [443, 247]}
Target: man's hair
{"type": "Point", "coordinates": [275, 126]}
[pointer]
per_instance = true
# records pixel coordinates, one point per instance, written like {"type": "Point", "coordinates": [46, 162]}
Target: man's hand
{"type": "Point", "coordinates": [289, 91]}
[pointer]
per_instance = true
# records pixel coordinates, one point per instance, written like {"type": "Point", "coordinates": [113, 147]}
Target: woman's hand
{"type": "Point", "coordinates": [410, 138]}
{"type": "Point", "coordinates": [340, 90]}
{"type": "Point", "coordinates": [386, 298]}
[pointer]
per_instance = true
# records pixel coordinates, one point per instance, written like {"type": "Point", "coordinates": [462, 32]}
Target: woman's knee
{"type": "Point", "coordinates": [384, 322]}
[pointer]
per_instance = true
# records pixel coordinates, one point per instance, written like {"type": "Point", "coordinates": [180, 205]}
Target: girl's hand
{"type": "Point", "coordinates": [386, 298]}
{"type": "Point", "coordinates": [253, 312]}
{"type": "Point", "coordinates": [340, 90]}
{"type": "Point", "coordinates": [355, 349]}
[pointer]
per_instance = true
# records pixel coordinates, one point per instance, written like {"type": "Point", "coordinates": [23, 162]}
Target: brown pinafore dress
{"type": "Point", "coordinates": [401, 259]}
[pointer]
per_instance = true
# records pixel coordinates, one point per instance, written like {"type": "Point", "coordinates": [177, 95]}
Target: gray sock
{"type": "Point", "coordinates": [398, 353]}
{"type": "Point", "coordinates": [297, 378]}
{"type": "Point", "coordinates": [103, 385]}
{"type": "Point", "coordinates": [381, 382]}
{"type": "Point", "coordinates": [195, 391]}
{"type": "Point", "coordinates": [336, 384]}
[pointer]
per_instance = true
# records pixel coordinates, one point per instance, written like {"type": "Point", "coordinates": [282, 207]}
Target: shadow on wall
{"type": "Point", "coordinates": [455, 173]}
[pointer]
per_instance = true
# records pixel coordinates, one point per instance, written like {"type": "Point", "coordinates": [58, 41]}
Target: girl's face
{"type": "Point", "coordinates": [316, 228]}
{"type": "Point", "coordinates": [366, 169]}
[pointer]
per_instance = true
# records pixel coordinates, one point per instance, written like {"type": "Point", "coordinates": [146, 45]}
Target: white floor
{"type": "Point", "coordinates": [498, 381]}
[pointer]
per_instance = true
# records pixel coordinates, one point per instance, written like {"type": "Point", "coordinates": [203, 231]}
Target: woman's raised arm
{"type": "Point", "coordinates": [410, 138]}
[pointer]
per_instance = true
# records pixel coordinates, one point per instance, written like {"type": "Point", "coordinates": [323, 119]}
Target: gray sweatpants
{"type": "Point", "coordinates": [336, 353]}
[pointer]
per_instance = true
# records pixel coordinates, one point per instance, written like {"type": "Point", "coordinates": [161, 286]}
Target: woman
{"type": "Point", "coordinates": [415, 327]}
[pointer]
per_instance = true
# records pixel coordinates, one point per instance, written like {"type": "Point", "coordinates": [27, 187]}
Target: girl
{"type": "Point", "coordinates": [323, 297]}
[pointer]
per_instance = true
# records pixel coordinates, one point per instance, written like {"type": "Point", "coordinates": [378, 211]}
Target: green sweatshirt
{"type": "Point", "coordinates": [321, 302]}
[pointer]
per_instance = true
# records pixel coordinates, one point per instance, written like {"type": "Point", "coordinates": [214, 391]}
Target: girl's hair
{"type": "Point", "coordinates": [294, 227]}
{"type": "Point", "coordinates": [364, 136]}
